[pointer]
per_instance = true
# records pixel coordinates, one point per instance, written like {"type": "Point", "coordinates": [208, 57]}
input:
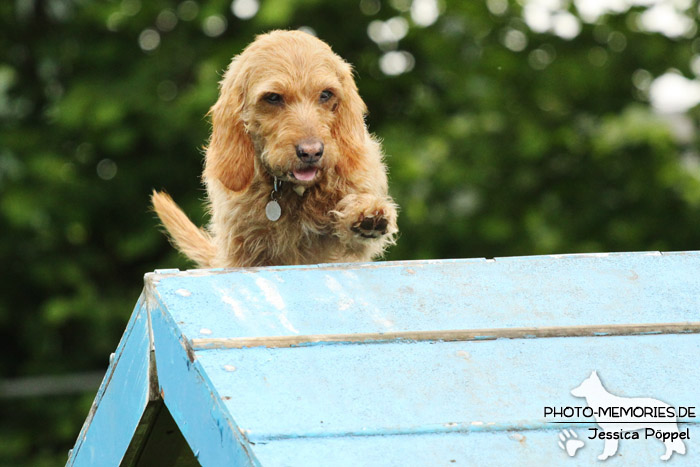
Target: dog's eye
{"type": "Point", "coordinates": [273, 98]}
{"type": "Point", "coordinates": [326, 95]}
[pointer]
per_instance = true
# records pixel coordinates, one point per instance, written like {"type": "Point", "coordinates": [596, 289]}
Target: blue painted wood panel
{"type": "Point", "coordinates": [120, 401]}
{"type": "Point", "coordinates": [194, 401]}
{"type": "Point", "coordinates": [403, 388]}
{"type": "Point", "coordinates": [436, 295]}
{"type": "Point", "coordinates": [487, 449]}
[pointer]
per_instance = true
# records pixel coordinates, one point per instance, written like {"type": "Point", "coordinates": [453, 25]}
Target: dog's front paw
{"type": "Point", "coordinates": [371, 225]}
{"type": "Point", "coordinates": [361, 218]}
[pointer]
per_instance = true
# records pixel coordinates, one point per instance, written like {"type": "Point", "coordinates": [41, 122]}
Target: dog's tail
{"type": "Point", "coordinates": [192, 241]}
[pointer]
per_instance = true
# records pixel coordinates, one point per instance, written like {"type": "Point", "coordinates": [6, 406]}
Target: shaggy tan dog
{"type": "Point", "coordinates": [292, 174]}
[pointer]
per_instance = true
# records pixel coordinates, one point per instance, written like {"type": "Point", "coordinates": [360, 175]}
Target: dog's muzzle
{"type": "Point", "coordinates": [309, 150]}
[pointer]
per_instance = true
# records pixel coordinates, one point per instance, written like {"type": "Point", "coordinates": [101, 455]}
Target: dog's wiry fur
{"type": "Point", "coordinates": [343, 214]}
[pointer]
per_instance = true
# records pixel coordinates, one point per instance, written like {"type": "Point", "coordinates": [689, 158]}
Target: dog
{"type": "Point", "coordinates": [292, 174]}
{"type": "Point", "coordinates": [638, 416]}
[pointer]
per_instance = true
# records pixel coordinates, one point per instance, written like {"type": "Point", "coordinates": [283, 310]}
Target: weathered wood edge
{"type": "Point", "coordinates": [159, 274]}
{"type": "Point", "coordinates": [448, 335]}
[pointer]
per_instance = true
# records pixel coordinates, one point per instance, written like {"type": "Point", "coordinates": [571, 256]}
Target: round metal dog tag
{"type": "Point", "coordinates": [273, 211]}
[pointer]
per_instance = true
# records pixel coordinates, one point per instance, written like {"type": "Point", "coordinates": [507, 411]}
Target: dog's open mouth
{"type": "Point", "coordinates": [305, 174]}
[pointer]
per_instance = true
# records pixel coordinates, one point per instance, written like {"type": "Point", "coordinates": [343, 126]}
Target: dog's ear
{"type": "Point", "coordinates": [349, 130]}
{"type": "Point", "coordinates": [230, 154]}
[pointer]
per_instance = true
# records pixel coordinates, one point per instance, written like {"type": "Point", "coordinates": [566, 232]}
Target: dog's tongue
{"type": "Point", "coordinates": [305, 174]}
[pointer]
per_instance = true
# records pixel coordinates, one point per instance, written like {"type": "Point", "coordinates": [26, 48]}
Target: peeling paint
{"type": "Point", "coordinates": [273, 297]}
{"type": "Point", "coordinates": [386, 323]}
{"type": "Point", "coordinates": [332, 284]}
{"type": "Point", "coordinates": [191, 356]}
{"type": "Point", "coordinates": [238, 310]}
{"type": "Point", "coordinates": [344, 301]}
{"type": "Point", "coordinates": [284, 321]}
{"type": "Point", "coordinates": [270, 292]}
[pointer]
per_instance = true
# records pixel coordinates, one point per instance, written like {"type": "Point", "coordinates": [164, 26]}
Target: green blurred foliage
{"type": "Point", "coordinates": [500, 141]}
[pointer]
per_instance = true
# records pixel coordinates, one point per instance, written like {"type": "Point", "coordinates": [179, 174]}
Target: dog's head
{"type": "Point", "coordinates": [288, 106]}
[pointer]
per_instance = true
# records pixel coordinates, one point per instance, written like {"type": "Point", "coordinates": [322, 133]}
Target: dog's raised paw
{"type": "Point", "coordinates": [372, 225]}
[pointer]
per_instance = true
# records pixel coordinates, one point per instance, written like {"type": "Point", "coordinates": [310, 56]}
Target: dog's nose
{"type": "Point", "coordinates": [309, 150]}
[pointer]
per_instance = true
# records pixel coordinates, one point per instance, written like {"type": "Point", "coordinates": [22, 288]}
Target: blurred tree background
{"type": "Point", "coordinates": [511, 128]}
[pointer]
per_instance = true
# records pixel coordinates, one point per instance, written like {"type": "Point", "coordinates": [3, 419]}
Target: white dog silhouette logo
{"type": "Point", "coordinates": [618, 416]}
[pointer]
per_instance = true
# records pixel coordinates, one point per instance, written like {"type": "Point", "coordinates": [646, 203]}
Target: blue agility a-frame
{"type": "Point", "coordinates": [397, 364]}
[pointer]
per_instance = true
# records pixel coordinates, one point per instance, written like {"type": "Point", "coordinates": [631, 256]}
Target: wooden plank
{"type": "Point", "coordinates": [519, 448]}
{"type": "Point", "coordinates": [450, 335]}
{"type": "Point", "coordinates": [577, 290]}
{"type": "Point", "coordinates": [193, 400]}
{"type": "Point", "coordinates": [121, 400]}
{"type": "Point", "coordinates": [423, 387]}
